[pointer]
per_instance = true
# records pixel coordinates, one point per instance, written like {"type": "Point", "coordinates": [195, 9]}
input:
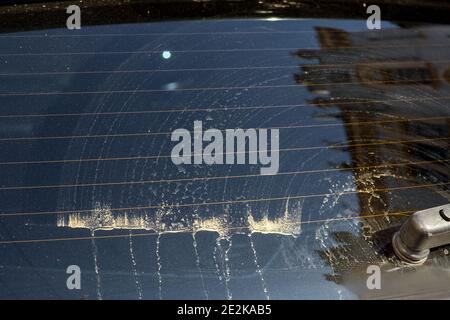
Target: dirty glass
{"type": "Point", "coordinates": [87, 179]}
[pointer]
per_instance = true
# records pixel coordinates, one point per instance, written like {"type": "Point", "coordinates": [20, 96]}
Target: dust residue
{"type": "Point", "coordinates": [165, 220]}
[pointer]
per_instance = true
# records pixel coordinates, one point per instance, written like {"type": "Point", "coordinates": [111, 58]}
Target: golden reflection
{"type": "Point", "coordinates": [381, 66]}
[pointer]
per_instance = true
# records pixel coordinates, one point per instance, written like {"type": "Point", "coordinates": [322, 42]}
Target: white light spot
{"type": "Point", "coordinates": [166, 54]}
{"type": "Point", "coordinates": [171, 86]}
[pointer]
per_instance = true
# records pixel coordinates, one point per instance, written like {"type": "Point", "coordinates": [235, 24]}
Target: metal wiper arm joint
{"type": "Point", "coordinates": [422, 231]}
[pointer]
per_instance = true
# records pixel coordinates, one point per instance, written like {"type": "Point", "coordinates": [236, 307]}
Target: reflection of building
{"type": "Point", "coordinates": [389, 86]}
{"type": "Point", "coordinates": [378, 61]}
{"type": "Point", "coordinates": [392, 75]}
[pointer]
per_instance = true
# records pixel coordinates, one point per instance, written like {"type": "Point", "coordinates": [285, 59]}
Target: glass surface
{"type": "Point", "coordinates": [87, 179]}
